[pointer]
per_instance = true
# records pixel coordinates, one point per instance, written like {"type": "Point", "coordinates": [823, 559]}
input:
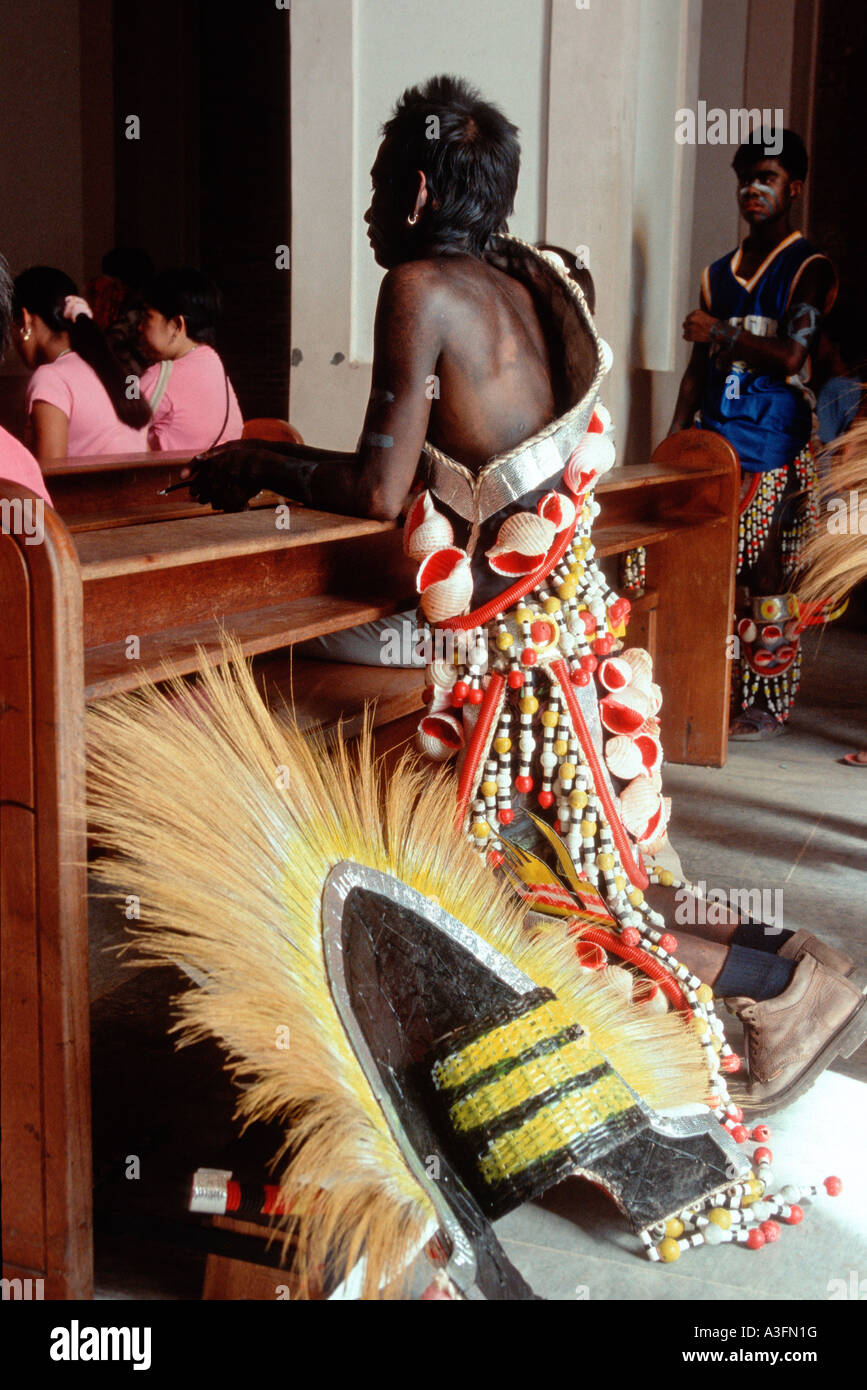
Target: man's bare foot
{"type": "Point", "coordinates": [858, 759]}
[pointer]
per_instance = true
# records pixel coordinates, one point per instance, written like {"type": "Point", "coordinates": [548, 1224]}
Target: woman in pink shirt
{"type": "Point", "coordinates": [192, 400]}
{"type": "Point", "coordinates": [76, 398]}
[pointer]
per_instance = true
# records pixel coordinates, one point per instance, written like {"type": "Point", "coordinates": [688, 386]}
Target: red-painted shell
{"type": "Point", "coordinates": [523, 541]}
{"type": "Point", "coordinates": [445, 583]}
{"type": "Point", "coordinates": [615, 674]}
{"type": "Point", "coordinates": [592, 456]}
{"type": "Point", "coordinates": [425, 529]}
{"type": "Point", "coordinates": [625, 712]}
{"type": "Point", "coordinates": [557, 508]}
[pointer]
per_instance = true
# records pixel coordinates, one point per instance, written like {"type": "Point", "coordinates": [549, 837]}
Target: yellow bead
{"type": "Point", "coordinates": [502, 745]}
{"type": "Point", "coordinates": [700, 1025]}
{"type": "Point", "coordinates": [716, 1043]}
{"type": "Point", "coordinates": [550, 719]}
{"type": "Point", "coordinates": [481, 829]}
{"type": "Point", "coordinates": [504, 641]}
{"type": "Point", "coordinates": [635, 897]}
{"type": "Point", "coordinates": [567, 772]}
{"type": "Point", "coordinates": [668, 1250]}
{"type": "Point", "coordinates": [577, 800]}
{"type": "Point", "coordinates": [552, 605]}
{"type": "Point", "coordinates": [704, 994]}
{"type": "Point", "coordinates": [606, 861]}
{"type": "Point", "coordinates": [488, 789]}
{"type": "Point", "coordinates": [619, 882]}
{"type": "Point", "coordinates": [529, 704]}
{"type": "Point", "coordinates": [574, 571]}
{"type": "Point", "coordinates": [561, 747]}
{"type": "Point", "coordinates": [674, 1228]}
{"type": "Point", "coordinates": [720, 1217]}
{"type": "Point", "coordinates": [523, 615]}
{"type": "Point", "coordinates": [666, 878]}
{"type": "Point", "coordinates": [568, 589]}
{"type": "Point", "coordinates": [588, 829]}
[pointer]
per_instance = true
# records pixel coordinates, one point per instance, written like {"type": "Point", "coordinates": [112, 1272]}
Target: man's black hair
{"type": "Point", "coordinates": [129, 264]}
{"type": "Point", "coordinates": [189, 293]}
{"type": "Point", "coordinates": [469, 154]}
{"type": "Point", "coordinates": [792, 155]}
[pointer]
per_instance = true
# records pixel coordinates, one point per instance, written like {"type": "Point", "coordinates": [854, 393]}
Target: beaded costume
{"type": "Point", "coordinates": [768, 422]}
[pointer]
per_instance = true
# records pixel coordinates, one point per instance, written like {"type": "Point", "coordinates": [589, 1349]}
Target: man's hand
{"type": "Point", "coordinates": [229, 475]}
{"type": "Point", "coordinates": [697, 326]}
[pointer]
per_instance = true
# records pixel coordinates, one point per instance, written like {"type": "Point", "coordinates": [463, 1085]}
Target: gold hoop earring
{"type": "Point", "coordinates": [412, 219]}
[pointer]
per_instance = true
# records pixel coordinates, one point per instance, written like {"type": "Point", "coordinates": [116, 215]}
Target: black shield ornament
{"type": "Point", "coordinates": [413, 987]}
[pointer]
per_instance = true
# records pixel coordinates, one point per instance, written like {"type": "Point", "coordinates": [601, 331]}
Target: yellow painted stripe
{"type": "Point", "coordinates": [554, 1127]}
{"type": "Point", "coordinates": [524, 1083]}
{"type": "Point", "coordinates": [502, 1043]}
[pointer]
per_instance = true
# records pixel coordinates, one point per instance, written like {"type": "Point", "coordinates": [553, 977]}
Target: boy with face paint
{"type": "Point", "coordinates": [759, 321]}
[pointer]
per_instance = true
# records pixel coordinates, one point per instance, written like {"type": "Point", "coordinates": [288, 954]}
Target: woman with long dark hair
{"type": "Point", "coordinates": [77, 397]}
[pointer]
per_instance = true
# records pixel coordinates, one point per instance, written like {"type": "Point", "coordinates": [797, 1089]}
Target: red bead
{"type": "Point", "coordinates": [540, 631]}
{"type": "Point", "coordinates": [755, 1239]}
{"type": "Point", "coordinates": [763, 1156]}
{"type": "Point", "coordinates": [735, 1113]}
{"type": "Point", "coordinates": [668, 942]}
{"type": "Point", "coordinates": [619, 611]}
{"type": "Point", "coordinates": [589, 663]}
{"type": "Point", "coordinates": [580, 677]}
{"type": "Point", "coordinates": [761, 1133]}
{"type": "Point", "coordinates": [505, 815]}
{"type": "Point", "coordinates": [528, 656]}
{"type": "Point", "coordinates": [545, 799]}
{"type": "Point", "coordinates": [770, 1230]}
{"type": "Point", "coordinates": [588, 620]}
{"type": "Point", "coordinates": [524, 784]}
{"type": "Point", "coordinates": [495, 858]}
{"type": "Point", "coordinates": [795, 1216]}
{"type": "Point", "coordinates": [730, 1062]}
{"type": "Point", "coordinates": [630, 936]}
{"type": "Point", "coordinates": [557, 826]}
{"type": "Point", "coordinates": [833, 1186]}
{"type": "Point", "coordinates": [515, 680]}
{"type": "Point", "coordinates": [739, 1133]}
{"type": "Point", "coordinates": [460, 691]}
{"type": "Point", "coordinates": [457, 701]}
{"type": "Point", "coordinates": [602, 645]}
{"type": "Point", "coordinates": [476, 696]}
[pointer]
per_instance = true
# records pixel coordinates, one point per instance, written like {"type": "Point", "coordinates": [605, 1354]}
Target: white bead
{"type": "Point", "coordinates": [527, 743]}
{"type": "Point", "coordinates": [789, 1193]}
{"type": "Point", "coordinates": [763, 1211]}
{"type": "Point", "coordinates": [713, 1234]}
{"type": "Point", "coordinates": [548, 761]}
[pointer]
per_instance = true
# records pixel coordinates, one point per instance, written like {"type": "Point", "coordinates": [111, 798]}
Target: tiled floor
{"type": "Point", "coordinates": [781, 816]}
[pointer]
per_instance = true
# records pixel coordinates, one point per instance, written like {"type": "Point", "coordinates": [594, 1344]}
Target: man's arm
{"type": "Point", "coordinates": [375, 480]}
{"type": "Point", "coordinates": [691, 389]}
{"type": "Point", "coordinates": [784, 354]}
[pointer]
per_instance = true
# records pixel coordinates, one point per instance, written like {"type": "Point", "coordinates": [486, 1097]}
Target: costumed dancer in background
{"type": "Point", "coordinates": [759, 321]}
{"type": "Point", "coordinates": [531, 690]}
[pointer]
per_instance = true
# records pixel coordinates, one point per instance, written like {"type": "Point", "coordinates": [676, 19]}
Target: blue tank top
{"type": "Point", "coordinates": [765, 418]}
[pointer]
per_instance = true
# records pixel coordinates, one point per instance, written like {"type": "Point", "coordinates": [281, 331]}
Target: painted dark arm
{"type": "Point", "coordinates": [374, 481]}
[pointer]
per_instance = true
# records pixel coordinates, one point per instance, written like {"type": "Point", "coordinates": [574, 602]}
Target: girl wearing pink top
{"type": "Point", "coordinates": [76, 398]}
{"type": "Point", "coordinates": [192, 400]}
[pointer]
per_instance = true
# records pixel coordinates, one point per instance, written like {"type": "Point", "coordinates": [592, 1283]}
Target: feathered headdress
{"type": "Point", "coordinates": [227, 823]}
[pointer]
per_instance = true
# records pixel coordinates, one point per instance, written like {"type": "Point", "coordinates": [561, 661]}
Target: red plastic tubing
{"type": "Point", "coordinates": [521, 587]}
{"type": "Point", "coordinates": [487, 711]}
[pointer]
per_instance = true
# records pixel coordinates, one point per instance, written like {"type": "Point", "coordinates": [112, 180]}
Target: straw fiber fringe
{"type": "Point", "coordinates": [227, 823]}
{"type": "Point", "coordinates": [834, 561]}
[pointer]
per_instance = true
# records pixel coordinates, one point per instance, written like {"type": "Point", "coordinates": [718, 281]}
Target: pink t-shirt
{"type": "Point", "coordinates": [193, 405]}
{"type": "Point", "coordinates": [72, 385]}
{"type": "Point", "coordinates": [18, 465]}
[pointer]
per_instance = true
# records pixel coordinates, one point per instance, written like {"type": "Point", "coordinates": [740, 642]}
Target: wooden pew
{"type": "Point", "coordinates": [102, 609]}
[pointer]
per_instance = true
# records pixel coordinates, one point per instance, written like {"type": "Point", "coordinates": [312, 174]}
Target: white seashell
{"type": "Point", "coordinates": [524, 532]}
{"type": "Point", "coordinates": [425, 529]}
{"type": "Point", "coordinates": [440, 736]}
{"type": "Point", "coordinates": [623, 758]}
{"type": "Point", "coordinates": [557, 508]}
{"type": "Point", "coordinates": [615, 674]}
{"type": "Point", "coordinates": [445, 583]}
{"type": "Point", "coordinates": [641, 664]}
{"type": "Point", "coordinates": [624, 712]}
{"type": "Point", "coordinates": [643, 810]}
{"type": "Point", "coordinates": [649, 751]}
{"type": "Point", "coordinates": [592, 456]}
{"type": "Point", "coordinates": [442, 673]}
{"type": "Point", "coordinates": [654, 696]}
{"type": "Point", "coordinates": [607, 355]}
{"type": "Point", "coordinates": [440, 700]}
{"type": "Point", "coordinates": [603, 414]}
{"type": "Point", "coordinates": [653, 1003]}
{"type": "Point", "coordinates": [621, 980]}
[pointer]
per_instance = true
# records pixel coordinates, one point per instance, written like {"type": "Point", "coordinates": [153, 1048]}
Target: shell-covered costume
{"type": "Point", "coordinates": [540, 701]}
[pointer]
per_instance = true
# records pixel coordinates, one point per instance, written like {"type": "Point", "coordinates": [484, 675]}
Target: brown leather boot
{"type": "Point", "coordinates": [791, 1039]}
{"type": "Point", "coordinates": [804, 941]}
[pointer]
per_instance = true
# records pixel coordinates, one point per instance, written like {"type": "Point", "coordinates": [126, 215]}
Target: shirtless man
{"type": "Point", "coordinates": [442, 311]}
{"type": "Point", "coordinates": [445, 310]}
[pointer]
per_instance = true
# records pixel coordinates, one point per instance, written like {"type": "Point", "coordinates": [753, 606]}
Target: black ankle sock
{"type": "Point", "coordinates": [755, 936]}
{"type": "Point", "coordinates": [757, 974]}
